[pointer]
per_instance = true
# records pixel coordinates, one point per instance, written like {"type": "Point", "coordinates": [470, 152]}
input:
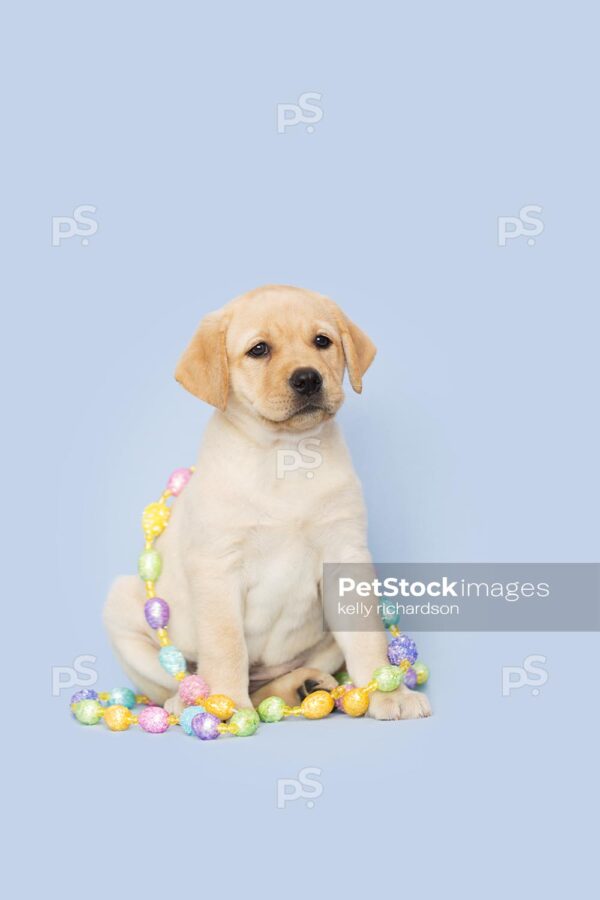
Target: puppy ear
{"type": "Point", "coordinates": [359, 350]}
{"type": "Point", "coordinates": [203, 370]}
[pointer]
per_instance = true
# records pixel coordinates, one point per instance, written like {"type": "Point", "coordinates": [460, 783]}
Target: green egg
{"type": "Point", "coordinates": [88, 712]}
{"type": "Point", "coordinates": [246, 722]}
{"type": "Point", "coordinates": [271, 709]}
{"type": "Point", "coordinates": [149, 565]}
{"type": "Point", "coordinates": [388, 678]}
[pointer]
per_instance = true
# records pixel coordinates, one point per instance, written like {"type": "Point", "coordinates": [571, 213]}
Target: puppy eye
{"type": "Point", "coordinates": [259, 349]}
{"type": "Point", "coordinates": [322, 341]}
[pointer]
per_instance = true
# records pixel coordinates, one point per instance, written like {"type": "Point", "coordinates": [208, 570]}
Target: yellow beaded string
{"type": "Point", "coordinates": [155, 519]}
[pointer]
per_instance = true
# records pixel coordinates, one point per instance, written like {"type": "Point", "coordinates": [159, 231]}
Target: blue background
{"type": "Point", "coordinates": [476, 437]}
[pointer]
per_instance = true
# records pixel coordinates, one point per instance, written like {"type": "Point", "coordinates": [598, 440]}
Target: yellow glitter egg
{"type": "Point", "coordinates": [355, 702]}
{"type": "Point", "coordinates": [220, 706]}
{"type": "Point", "coordinates": [317, 705]}
{"type": "Point", "coordinates": [154, 519]}
{"type": "Point", "coordinates": [118, 718]}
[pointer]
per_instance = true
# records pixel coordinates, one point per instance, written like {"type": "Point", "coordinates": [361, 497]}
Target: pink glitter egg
{"type": "Point", "coordinates": [178, 480]}
{"type": "Point", "coordinates": [193, 689]}
{"type": "Point", "coordinates": [154, 719]}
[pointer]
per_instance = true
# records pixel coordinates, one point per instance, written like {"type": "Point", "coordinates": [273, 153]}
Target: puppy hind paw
{"type": "Point", "coordinates": [318, 681]}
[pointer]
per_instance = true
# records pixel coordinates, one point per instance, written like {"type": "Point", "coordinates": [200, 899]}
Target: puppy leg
{"type": "Point", "coordinates": [133, 647]}
{"type": "Point", "coordinates": [365, 652]}
{"type": "Point", "coordinates": [294, 687]}
{"type": "Point", "coordinates": [221, 644]}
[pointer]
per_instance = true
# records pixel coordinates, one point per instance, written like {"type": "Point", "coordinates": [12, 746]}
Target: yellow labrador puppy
{"type": "Point", "coordinates": [244, 551]}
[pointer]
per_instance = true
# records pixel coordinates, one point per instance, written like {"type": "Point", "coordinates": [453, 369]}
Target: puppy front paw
{"type": "Point", "coordinates": [242, 701]}
{"type": "Point", "coordinates": [174, 705]}
{"type": "Point", "coordinates": [400, 704]}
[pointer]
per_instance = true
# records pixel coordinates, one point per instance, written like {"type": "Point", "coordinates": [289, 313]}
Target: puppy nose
{"type": "Point", "coordinates": [306, 381]}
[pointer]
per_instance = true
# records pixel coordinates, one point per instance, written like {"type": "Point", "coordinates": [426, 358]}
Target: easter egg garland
{"type": "Point", "coordinates": [206, 715]}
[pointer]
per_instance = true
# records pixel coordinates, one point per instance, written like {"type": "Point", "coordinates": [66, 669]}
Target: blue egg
{"type": "Point", "coordinates": [185, 719]}
{"type": "Point", "coordinates": [390, 614]}
{"type": "Point", "coordinates": [122, 697]}
{"type": "Point", "coordinates": [172, 660]}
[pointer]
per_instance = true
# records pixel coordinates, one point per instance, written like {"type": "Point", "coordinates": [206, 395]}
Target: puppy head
{"type": "Point", "coordinates": [279, 353]}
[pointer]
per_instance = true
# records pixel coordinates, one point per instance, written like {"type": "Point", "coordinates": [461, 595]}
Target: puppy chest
{"type": "Point", "coordinates": [282, 574]}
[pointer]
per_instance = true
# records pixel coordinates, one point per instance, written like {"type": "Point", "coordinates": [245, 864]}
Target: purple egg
{"type": "Point", "coordinates": [156, 611]}
{"type": "Point", "coordinates": [402, 648]}
{"type": "Point", "coordinates": [85, 694]}
{"type": "Point", "coordinates": [205, 726]}
{"type": "Point", "coordinates": [410, 678]}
